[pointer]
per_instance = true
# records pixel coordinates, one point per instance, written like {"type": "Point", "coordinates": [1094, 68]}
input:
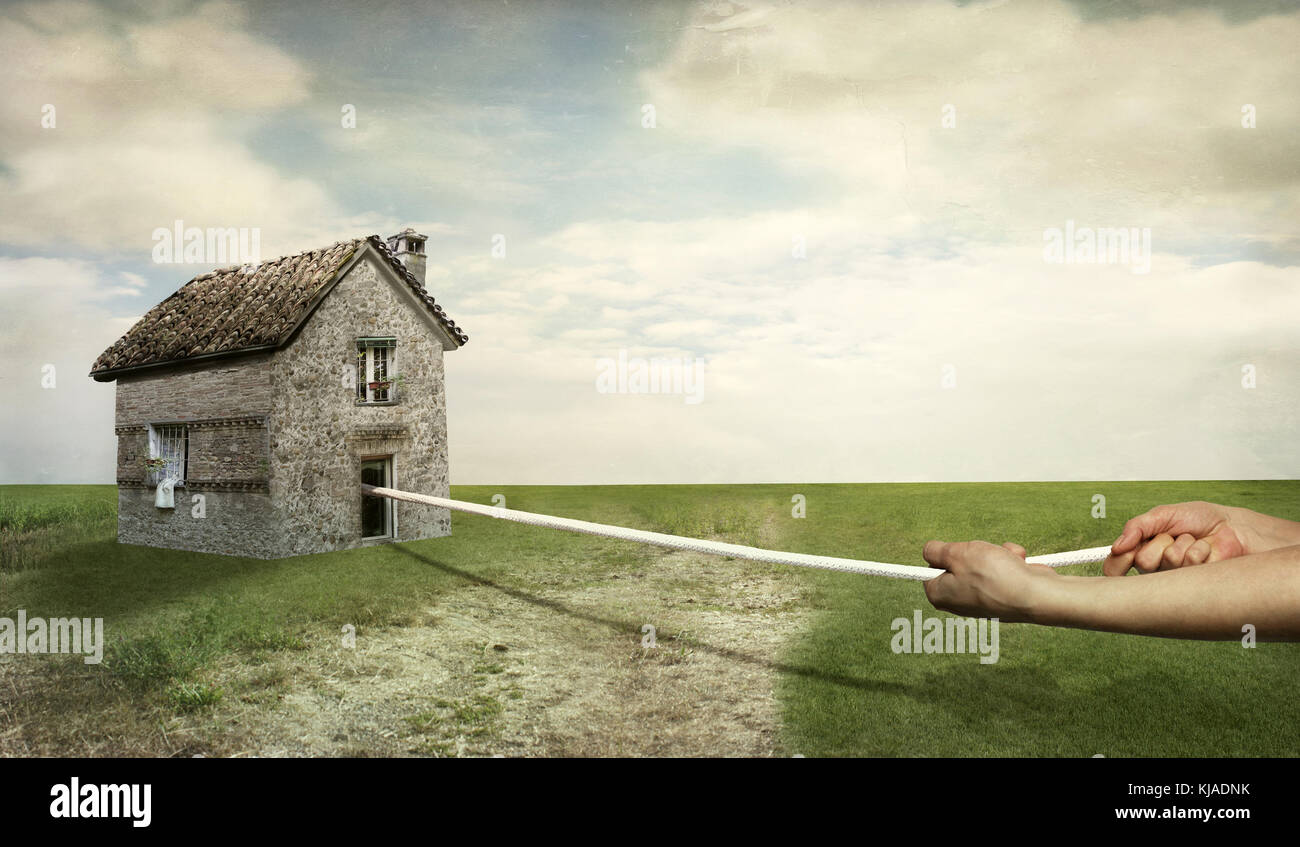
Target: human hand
{"type": "Point", "coordinates": [1184, 534]}
{"type": "Point", "coordinates": [985, 580]}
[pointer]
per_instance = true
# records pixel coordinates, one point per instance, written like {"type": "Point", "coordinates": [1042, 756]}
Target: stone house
{"type": "Point", "coordinates": [268, 394]}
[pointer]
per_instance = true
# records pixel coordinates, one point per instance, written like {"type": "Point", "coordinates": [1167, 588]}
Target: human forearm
{"type": "Point", "coordinates": [1212, 602]}
{"type": "Point", "coordinates": [1265, 532]}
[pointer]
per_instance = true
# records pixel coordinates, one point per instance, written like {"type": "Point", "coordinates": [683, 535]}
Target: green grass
{"type": "Point", "coordinates": [193, 696]}
{"type": "Point", "coordinates": [36, 520]}
{"type": "Point", "coordinates": [171, 617]}
{"type": "Point", "coordinates": [1053, 692]}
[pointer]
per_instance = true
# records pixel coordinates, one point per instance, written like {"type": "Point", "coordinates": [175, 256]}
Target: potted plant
{"type": "Point", "coordinates": [154, 466]}
{"type": "Point", "coordinates": [384, 384]}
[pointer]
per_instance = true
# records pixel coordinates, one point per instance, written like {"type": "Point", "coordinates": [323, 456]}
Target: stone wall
{"type": "Point", "coordinates": [319, 433]}
{"type": "Point", "coordinates": [222, 451]}
{"type": "Point", "coordinates": [234, 523]}
{"type": "Point", "coordinates": [229, 451]}
{"type": "Point", "coordinates": [226, 388]}
{"type": "Point", "coordinates": [225, 407]}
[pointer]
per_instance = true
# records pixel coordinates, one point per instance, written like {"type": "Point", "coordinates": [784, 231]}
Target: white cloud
{"type": "Point", "coordinates": [829, 368]}
{"type": "Point", "coordinates": [1057, 117]}
{"type": "Point", "coordinates": [149, 129]}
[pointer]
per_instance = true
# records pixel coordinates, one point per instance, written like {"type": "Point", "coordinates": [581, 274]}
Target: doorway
{"type": "Point", "coordinates": [377, 512]}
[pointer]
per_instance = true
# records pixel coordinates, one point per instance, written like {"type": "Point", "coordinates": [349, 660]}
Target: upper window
{"type": "Point", "coordinates": [414, 245]}
{"type": "Point", "coordinates": [375, 370]}
{"type": "Point", "coordinates": [169, 452]}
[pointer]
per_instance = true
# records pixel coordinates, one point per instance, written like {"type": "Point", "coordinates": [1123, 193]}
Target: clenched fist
{"type": "Point", "coordinates": [985, 580]}
{"type": "Point", "coordinates": [1194, 533]}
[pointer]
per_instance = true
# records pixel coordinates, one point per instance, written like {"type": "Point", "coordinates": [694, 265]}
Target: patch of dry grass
{"type": "Point", "coordinates": [515, 669]}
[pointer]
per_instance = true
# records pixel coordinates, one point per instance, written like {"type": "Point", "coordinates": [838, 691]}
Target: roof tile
{"type": "Point", "coordinates": [229, 310]}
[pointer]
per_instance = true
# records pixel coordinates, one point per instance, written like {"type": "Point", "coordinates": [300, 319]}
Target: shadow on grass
{"type": "Point", "coordinates": [634, 629]}
{"type": "Point", "coordinates": [104, 578]}
{"type": "Point", "coordinates": [143, 588]}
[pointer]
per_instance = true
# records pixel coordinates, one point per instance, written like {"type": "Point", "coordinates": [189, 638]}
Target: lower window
{"type": "Point", "coordinates": [169, 452]}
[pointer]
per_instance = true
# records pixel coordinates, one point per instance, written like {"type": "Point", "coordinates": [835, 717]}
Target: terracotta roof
{"type": "Point", "coordinates": [234, 310]}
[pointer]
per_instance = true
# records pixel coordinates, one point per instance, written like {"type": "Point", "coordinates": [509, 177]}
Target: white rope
{"type": "Point", "coordinates": [717, 548]}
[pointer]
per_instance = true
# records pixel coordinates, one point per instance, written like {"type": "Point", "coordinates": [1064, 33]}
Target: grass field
{"type": "Point", "coordinates": [36, 520]}
{"type": "Point", "coordinates": [475, 641]}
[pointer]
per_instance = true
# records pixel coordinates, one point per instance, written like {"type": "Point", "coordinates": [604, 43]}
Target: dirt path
{"type": "Point", "coordinates": [551, 668]}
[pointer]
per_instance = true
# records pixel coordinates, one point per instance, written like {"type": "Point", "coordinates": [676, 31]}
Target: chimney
{"type": "Point", "coordinates": [408, 247]}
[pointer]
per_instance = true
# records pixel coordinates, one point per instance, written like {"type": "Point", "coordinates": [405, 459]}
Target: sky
{"type": "Point", "coordinates": [861, 228]}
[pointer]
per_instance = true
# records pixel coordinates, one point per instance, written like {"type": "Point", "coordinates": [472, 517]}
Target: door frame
{"type": "Point", "coordinates": [390, 513]}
